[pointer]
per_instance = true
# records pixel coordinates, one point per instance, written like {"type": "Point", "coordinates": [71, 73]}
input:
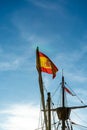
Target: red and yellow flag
{"type": "Point", "coordinates": [68, 91]}
{"type": "Point", "coordinates": [44, 64]}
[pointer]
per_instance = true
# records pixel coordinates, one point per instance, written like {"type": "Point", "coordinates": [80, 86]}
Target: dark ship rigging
{"type": "Point", "coordinates": [55, 118]}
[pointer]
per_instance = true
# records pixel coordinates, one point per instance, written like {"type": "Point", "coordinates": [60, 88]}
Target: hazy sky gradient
{"type": "Point", "coordinates": [59, 29]}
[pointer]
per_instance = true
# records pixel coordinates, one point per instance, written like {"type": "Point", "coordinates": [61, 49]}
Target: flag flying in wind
{"type": "Point", "coordinates": [44, 64]}
{"type": "Point", "coordinates": [67, 90]}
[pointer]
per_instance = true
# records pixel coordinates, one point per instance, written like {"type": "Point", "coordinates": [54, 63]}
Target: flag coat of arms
{"type": "Point", "coordinates": [44, 64]}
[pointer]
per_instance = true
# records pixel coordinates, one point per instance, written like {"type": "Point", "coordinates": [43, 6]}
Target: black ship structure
{"type": "Point", "coordinates": [57, 118]}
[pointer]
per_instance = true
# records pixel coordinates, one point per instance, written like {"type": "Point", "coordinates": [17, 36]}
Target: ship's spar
{"type": "Point", "coordinates": [63, 112]}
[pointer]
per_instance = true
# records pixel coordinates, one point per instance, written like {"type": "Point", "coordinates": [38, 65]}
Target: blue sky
{"type": "Point", "coordinates": [59, 29]}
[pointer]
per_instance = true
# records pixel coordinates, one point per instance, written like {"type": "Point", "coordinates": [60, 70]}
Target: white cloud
{"type": "Point", "coordinates": [12, 65]}
{"type": "Point", "coordinates": [20, 117]}
{"type": "Point", "coordinates": [10, 60]}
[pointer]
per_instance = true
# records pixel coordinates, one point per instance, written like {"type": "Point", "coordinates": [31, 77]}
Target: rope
{"type": "Point", "coordinates": [56, 90]}
{"type": "Point", "coordinates": [58, 125]}
{"type": "Point", "coordinates": [45, 89]}
{"type": "Point", "coordinates": [40, 119]}
{"type": "Point", "coordinates": [73, 123]}
{"type": "Point", "coordinates": [75, 94]}
{"type": "Point", "coordinates": [52, 104]}
{"type": "Point", "coordinates": [79, 117]}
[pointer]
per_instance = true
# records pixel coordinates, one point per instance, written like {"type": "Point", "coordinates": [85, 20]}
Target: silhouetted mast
{"type": "Point", "coordinates": [63, 112]}
{"type": "Point", "coordinates": [63, 102]}
{"type": "Point", "coordinates": [49, 111]}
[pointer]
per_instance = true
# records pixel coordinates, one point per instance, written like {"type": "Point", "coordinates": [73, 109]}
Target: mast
{"type": "Point", "coordinates": [49, 111]}
{"type": "Point", "coordinates": [63, 95]}
{"type": "Point", "coordinates": [63, 102]}
{"type": "Point", "coordinates": [41, 89]}
{"type": "Point", "coordinates": [64, 111]}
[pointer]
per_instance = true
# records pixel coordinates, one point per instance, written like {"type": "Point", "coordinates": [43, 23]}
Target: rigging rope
{"type": "Point", "coordinates": [56, 90]}
{"type": "Point", "coordinates": [73, 123]}
{"type": "Point", "coordinates": [52, 104]}
{"type": "Point", "coordinates": [40, 119]}
{"type": "Point", "coordinates": [79, 117]}
{"type": "Point", "coordinates": [75, 94]}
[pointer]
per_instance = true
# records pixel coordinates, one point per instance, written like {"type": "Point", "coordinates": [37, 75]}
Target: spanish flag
{"type": "Point", "coordinates": [44, 64]}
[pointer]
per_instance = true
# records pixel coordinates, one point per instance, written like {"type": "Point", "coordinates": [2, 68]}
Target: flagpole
{"type": "Point", "coordinates": [41, 87]}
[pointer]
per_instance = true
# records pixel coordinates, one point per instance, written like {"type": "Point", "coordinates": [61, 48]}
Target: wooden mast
{"type": "Point", "coordinates": [63, 112]}
{"type": "Point", "coordinates": [63, 102]}
{"type": "Point", "coordinates": [41, 88]}
{"type": "Point", "coordinates": [49, 111]}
